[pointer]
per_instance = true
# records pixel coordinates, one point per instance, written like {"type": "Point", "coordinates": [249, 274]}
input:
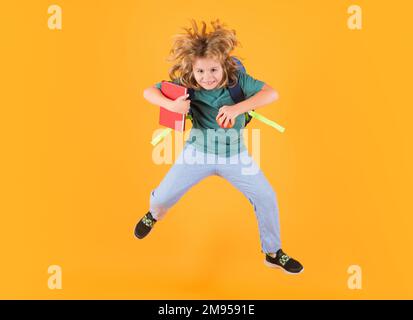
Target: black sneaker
{"type": "Point", "coordinates": [144, 226]}
{"type": "Point", "coordinates": [283, 261]}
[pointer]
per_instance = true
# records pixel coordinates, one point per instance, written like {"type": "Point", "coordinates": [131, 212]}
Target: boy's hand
{"type": "Point", "coordinates": [228, 113]}
{"type": "Point", "coordinates": [181, 105]}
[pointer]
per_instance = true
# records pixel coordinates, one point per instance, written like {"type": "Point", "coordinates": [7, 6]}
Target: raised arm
{"type": "Point", "coordinates": [263, 97]}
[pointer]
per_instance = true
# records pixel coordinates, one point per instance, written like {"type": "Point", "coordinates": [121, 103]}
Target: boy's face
{"type": "Point", "coordinates": [208, 72]}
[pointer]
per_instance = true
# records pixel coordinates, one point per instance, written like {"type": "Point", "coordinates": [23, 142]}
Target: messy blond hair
{"type": "Point", "coordinates": [196, 43]}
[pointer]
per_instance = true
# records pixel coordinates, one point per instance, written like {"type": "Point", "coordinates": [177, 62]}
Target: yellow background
{"type": "Point", "coordinates": [77, 164]}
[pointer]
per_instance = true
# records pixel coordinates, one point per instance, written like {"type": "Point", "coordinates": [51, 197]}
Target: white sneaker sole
{"type": "Point", "coordinates": [275, 266]}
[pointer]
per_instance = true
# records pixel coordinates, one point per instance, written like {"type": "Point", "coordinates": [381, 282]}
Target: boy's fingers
{"type": "Point", "coordinates": [226, 122]}
{"type": "Point", "coordinates": [220, 114]}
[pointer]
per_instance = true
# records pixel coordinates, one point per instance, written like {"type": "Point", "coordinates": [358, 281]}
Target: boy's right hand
{"type": "Point", "coordinates": [181, 105]}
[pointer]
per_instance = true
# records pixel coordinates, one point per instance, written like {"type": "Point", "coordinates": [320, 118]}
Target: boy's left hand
{"type": "Point", "coordinates": [228, 113]}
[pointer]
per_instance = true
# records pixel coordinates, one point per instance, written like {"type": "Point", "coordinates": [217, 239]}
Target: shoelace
{"type": "Point", "coordinates": [148, 221]}
{"type": "Point", "coordinates": [284, 259]}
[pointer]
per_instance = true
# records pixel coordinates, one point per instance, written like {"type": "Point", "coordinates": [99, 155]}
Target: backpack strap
{"type": "Point", "coordinates": [240, 65]}
{"type": "Point", "coordinates": [236, 93]}
{"type": "Point", "coordinates": [191, 96]}
{"type": "Point", "coordinates": [191, 93]}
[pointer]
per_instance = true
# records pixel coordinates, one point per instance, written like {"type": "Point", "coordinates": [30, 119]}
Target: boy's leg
{"type": "Point", "coordinates": [261, 195]}
{"type": "Point", "coordinates": [179, 179]}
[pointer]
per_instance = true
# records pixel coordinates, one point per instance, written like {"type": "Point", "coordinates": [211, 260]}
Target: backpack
{"type": "Point", "coordinates": [236, 93]}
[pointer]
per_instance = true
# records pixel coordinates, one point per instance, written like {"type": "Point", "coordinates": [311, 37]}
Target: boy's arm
{"type": "Point", "coordinates": [263, 97]}
{"type": "Point", "coordinates": [155, 96]}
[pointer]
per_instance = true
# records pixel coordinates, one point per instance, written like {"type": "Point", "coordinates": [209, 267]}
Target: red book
{"type": "Point", "coordinates": [170, 119]}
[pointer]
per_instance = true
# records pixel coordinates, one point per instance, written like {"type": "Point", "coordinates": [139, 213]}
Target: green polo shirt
{"type": "Point", "coordinates": [206, 135]}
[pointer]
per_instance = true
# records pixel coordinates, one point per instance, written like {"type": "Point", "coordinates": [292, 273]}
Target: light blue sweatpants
{"type": "Point", "coordinates": [240, 170]}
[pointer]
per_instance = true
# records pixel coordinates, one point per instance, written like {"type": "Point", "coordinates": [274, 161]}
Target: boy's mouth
{"type": "Point", "coordinates": [209, 83]}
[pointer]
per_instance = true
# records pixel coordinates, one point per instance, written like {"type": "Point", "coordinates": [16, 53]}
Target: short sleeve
{"type": "Point", "coordinates": [249, 85]}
